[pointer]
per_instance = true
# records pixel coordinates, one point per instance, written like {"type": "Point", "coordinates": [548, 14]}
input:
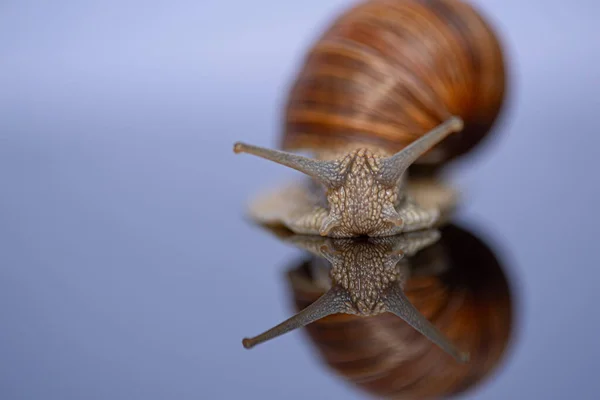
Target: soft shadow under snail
{"type": "Point", "coordinates": [390, 85]}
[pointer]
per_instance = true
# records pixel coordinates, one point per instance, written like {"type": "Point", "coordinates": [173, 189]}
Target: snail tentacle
{"type": "Point", "coordinates": [325, 172]}
{"type": "Point", "coordinates": [398, 304]}
{"type": "Point", "coordinates": [333, 301]}
{"type": "Point", "coordinates": [394, 167]}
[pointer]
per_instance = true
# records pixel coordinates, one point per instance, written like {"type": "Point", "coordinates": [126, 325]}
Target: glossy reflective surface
{"type": "Point", "coordinates": [457, 283]}
{"type": "Point", "coordinates": [366, 277]}
{"type": "Point", "coordinates": [127, 270]}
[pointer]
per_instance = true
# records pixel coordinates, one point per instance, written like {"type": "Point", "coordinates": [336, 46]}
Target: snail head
{"type": "Point", "coordinates": [362, 186]}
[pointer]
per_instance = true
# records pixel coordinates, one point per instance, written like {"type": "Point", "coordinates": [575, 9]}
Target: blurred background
{"type": "Point", "coordinates": [126, 268]}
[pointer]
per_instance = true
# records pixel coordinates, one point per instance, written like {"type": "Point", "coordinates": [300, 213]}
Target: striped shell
{"type": "Point", "coordinates": [470, 302]}
{"type": "Point", "coordinates": [387, 71]}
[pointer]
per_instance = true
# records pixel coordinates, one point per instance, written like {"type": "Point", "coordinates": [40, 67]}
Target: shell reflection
{"type": "Point", "coordinates": [457, 283]}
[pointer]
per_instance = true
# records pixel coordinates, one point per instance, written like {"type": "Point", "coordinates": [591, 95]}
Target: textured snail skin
{"type": "Point", "coordinates": [458, 284]}
{"type": "Point", "coordinates": [389, 85]}
{"type": "Point", "coordinates": [364, 191]}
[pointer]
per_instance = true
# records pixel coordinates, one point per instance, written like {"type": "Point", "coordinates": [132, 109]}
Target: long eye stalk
{"type": "Point", "coordinates": [393, 167]}
{"type": "Point", "coordinates": [332, 302]}
{"type": "Point", "coordinates": [323, 171]}
{"type": "Point", "coordinates": [397, 303]}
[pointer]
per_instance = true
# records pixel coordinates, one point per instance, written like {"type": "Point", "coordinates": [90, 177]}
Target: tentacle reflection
{"type": "Point", "coordinates": [456, 283]}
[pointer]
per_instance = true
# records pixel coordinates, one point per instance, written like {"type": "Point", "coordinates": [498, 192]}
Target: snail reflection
{"type": "Point", "coordinates": [455, 282]}
{"type": "Point", "coordinates": [367, 279]}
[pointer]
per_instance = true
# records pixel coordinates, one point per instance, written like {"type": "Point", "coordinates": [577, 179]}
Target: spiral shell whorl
{"type": "Point", "coordinates": [387, 71]}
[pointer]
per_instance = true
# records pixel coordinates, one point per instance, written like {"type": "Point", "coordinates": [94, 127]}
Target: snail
{"type": "Point", "coordinates": [391, 86]}
{"type": "Point", "coordinates": [458, 283]}
{"type": "Point", "coordinates": [367, 279]}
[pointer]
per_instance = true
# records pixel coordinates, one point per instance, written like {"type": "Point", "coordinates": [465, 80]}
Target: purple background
{"type": "Point", "coordinates": [126, 269]}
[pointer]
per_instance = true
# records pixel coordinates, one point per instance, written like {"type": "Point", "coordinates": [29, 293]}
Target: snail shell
{"type": "Point", "coordinates": [461, 288]}
{"type": "Point", "coordinates": [388, 71]}
{"type": "Point", "coordinates": [389, 85]}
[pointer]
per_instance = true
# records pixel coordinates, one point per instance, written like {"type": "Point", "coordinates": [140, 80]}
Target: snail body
{"type": "Point", "coordinates": [390, 85]}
